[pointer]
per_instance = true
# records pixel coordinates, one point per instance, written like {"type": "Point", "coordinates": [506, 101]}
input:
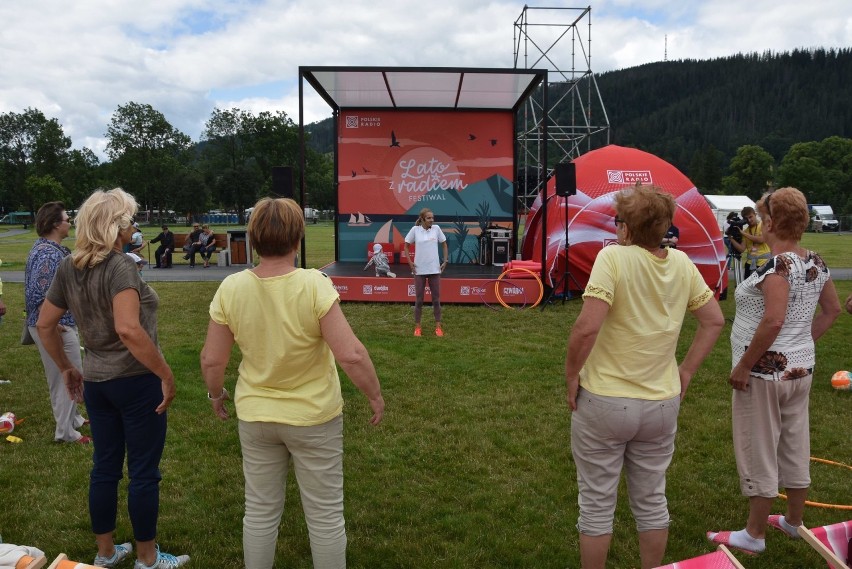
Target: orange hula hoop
{"type": "Point", "coordinates": [507, 271]}
{"type": "Point", "coordinates": [822, 504]}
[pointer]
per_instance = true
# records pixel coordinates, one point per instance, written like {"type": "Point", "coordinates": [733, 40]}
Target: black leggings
{"type": "Point", "coordinates": [420, 292]}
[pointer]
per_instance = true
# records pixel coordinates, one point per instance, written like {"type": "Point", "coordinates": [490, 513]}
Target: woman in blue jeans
{"type": "Point", "coordinates": [125, 382]}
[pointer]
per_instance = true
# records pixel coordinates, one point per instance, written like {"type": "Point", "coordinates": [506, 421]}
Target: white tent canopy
{"type": "Point", "coordinates": [723, 205]}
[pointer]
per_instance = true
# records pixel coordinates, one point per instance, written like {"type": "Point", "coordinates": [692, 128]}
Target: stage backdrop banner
{"type": "Point", "coordinates": [392, 164]}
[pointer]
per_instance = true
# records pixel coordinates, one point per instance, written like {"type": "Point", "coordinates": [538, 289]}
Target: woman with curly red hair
{"type": "Point", "coordinates": [772, 348]}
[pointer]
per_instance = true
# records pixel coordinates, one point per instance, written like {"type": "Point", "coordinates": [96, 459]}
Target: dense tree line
{"type": "Point", "coordinates": [740, 124]}
{"type": "Point", "coordinates": [734, 125]}
{"type": "Point", "coordinates": [229, 168]}
{"type": "Point", "coordinates": [678, 108]}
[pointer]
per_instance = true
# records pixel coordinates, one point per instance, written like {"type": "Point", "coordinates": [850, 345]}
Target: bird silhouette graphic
{"type": "Point", "coordinates": [493, 142]}
{"type": "Point", "coordinates": [471, 137]}
{"type": "Point", "coordinates": [353, 173]}
{"type": "Point", "coordinates": [366, 171]}
{"type": "Point", "coordinates": [394, 141]}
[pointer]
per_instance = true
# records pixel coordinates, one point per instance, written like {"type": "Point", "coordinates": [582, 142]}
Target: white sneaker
{"type": "Point", "coordinates": [164, 561]}
{"type": "Point", "coordinates": [121, 551]}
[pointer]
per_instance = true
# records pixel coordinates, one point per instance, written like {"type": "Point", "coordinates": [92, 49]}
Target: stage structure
{"type": "Point", "coordinates": [442, 138]}
{"type": "Point", "coordinates": [576, 118]}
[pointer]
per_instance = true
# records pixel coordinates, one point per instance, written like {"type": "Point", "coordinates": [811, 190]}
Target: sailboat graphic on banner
{"type": "Point", "coordinates": [359, 220]}
{"type": "Point", "coordinates": [388, 233]}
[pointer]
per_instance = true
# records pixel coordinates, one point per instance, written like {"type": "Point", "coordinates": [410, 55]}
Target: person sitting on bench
{"type": "Point", "coordinates": [166, 239]}
{"type": "Point", "coordinates": [192, 245]}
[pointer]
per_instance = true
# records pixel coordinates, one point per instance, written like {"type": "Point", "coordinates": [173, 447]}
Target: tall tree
{"type": "Point", "coordinates": [319, 181]}
{"type": "Point", "coordinates": [30, 145]}
{"type": "Point", "coordinates": [148, 152]}
{"type": "Point", "coordinates": [751, 172]}
{"type": "Point", "coordinates": [80, 176]}
{"type": "Point", "coordinates": [705, 171]}
{"type": "Point", "coordinates": [822, 170]}
{"type": "Point", "coordinates": [43, 189]}
{"type": "Point", "coordinates": [241, 150]}
{"type": "Point", "coordinates": [189, 193]}
{"type": "Point", "coordinates": [226, 133]}
{"type": "Point", "coordinates": [274, 142]}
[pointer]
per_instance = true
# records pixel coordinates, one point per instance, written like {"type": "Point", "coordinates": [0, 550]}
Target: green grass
{"type": "Point", "coordinates": [471, 467]}
{"type": "Point", "coordinates": [835, 248]}
{"type": "Point", "coordinates": [14, 250]}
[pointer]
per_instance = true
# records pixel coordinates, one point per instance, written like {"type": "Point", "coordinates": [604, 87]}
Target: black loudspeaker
{"type": "Point", "coordinates": [282, 182]}
{"type": "Point", "coordinates": [566, 179]}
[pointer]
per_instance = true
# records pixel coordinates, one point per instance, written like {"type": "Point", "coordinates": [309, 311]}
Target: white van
{"type": "Point", "coordinates": [822, 218]}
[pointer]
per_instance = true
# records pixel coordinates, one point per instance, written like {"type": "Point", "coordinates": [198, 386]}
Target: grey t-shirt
{"type": "Point", "coordinates": [88, 294]}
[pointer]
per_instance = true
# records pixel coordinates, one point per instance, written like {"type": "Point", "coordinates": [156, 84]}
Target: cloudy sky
{"type": "Point", "coordinates": [78, 61]}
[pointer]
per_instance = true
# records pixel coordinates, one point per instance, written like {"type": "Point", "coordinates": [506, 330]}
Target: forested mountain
{"type": "Point", "coordinates": [676, 109]}
{"type": "Point", "coordinates": [697, 113]}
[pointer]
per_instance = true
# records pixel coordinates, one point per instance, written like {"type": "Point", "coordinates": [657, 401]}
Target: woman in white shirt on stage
{"type": "Point", "coordinates": [426, 266]}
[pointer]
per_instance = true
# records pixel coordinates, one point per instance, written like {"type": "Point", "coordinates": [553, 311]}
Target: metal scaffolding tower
{"type": "Point", "coordinates": [575, 120]}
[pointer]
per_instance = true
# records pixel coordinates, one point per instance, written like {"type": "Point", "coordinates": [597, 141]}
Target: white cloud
{"type": "Point", "coordinates": [79, 61]}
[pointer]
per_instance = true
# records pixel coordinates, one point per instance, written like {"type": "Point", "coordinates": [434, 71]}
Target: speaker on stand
{"type": "Point", "coordinates": [566, 185]}
{"type": "Point", "coordinates": [282, 182]}
{"type": "Point", "coordinates": [566, 179]}
{"type": "Point", "coordinates": [282, 187]}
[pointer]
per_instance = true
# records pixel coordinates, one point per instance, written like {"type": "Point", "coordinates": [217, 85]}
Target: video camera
{"type": "Point", "coordinates": [735, 227]}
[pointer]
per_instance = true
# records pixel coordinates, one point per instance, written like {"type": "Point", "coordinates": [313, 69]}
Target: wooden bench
{"type": "Point", "coordinates": [180, 240]}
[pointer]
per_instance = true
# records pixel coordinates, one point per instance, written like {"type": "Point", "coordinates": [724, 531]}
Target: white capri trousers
{"type": "Point", "coordinates": [65, 412]}
{"type": "Point", "coordinates": [772, 441]}
{"type": "Point", "coordinates": [611, 433]}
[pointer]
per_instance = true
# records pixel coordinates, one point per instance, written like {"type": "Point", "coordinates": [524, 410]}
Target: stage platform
{"type": "Point", "coordinates": [460, 284]}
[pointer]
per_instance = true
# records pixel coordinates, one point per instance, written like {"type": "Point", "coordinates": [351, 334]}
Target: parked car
{"type": "Point", "coordinates": [822, 218]}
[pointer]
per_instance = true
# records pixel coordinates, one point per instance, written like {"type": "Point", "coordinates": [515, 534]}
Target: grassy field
{"type": "Point", "coordinates": [470, 469]}
{"type": "Point", "coordinates": [836, 248]}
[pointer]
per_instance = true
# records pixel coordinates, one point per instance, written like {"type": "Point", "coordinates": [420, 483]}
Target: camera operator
{"type": "Point", "coordinates": [753, 246]}
{"type": "Point", "coordinates": [733, 232]}
{"type": "Point", "coordinates": [671, 238]}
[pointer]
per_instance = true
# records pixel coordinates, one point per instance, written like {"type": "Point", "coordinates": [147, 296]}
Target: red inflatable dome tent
{"type": "Point", "coordinates": [600, 174]}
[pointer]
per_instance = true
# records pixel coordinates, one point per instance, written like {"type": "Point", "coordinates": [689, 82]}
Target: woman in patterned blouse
{"type": "Point", "coordinates": [772, 349]}
{"type": "Point", "coordinates": [52, 225]}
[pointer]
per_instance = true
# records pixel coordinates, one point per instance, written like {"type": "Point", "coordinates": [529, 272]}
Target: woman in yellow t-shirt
{"type": "Point", "coordinates": [624, 383]}
{"type": "Point", "coordinates": [290, 330]}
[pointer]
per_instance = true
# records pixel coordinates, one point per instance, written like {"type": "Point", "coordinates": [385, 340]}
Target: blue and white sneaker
{"type": "Point", "coordinates": [164, 561]}
{"type": "Point", "coordinates": [121, 551]}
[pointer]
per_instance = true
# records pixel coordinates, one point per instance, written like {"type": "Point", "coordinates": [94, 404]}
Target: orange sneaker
{"type": "Point", "coordinates": [439, 332]}
{"type": "Point", "coordinates": [417, 331]}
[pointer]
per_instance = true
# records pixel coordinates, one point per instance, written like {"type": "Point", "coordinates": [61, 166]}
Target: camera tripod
{"type": "Point", "coordinates": [733, 262]}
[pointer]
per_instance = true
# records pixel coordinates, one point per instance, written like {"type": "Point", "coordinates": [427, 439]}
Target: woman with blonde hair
{"type": "Point", "coordinates": [773, 359]}
{"type": "Point", "coordinates": [290, 329]}
{"type": "Point", "coordinates": [125, 382]}
{"type": "Point", "coordinates": [624, 383]}
{"type": "Point", "coordinates": [426, 266]}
